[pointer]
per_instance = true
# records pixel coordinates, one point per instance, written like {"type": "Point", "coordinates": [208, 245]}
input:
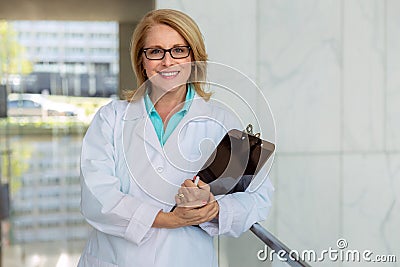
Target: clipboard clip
{"type": "Point", "coordinates": [249, 130]}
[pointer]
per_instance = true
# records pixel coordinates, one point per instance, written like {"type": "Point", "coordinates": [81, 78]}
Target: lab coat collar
{"type": "Point", "coordinates": [137, 110]}
{"type": "Point", "coordinates": [137, 119]}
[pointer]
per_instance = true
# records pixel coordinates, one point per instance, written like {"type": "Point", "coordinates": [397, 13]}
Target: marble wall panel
{"type": "Point", "coordinates": [393, 76]}
{"type": "Point", "coordinates": [371, 203]}
{"type": "Point", "coordinates": [229, 29]}
{"type": "Point", "coordinates": [308, 201]}
{"type": "Point", "coordinates": [299, 71]}
{"type": "Point", "coordinates": [363, 75]}
{"type": "Point", "coordinates": [331, 72]}
{"type": "Point", "coordinates": [241, 251]}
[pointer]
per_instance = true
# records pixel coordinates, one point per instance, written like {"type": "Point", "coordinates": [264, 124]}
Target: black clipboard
{"type": "Point", "coordinates": [236, 160]}
{"type": "Point", "coordinates": [234, 163]}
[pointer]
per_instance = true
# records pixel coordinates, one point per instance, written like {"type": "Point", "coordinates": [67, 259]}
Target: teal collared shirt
{"type": "Point", "coordinates": [173, 121]}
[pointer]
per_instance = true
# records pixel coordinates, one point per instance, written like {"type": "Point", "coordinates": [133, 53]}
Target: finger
{"type": "Point", "coordinates": [181, 194]}
{"type": "Point", "coordinates": [194, 204]}
{"type": "Point", "coordinates": [203, 185]}
{"type": "Point", "coordinates": [206, 213]}
{"type": "Point", "coordinates": [185, 191]}
{"type": "Point", "coordinates": [201, 215]}
{"type": "Point", "coordinates": [212, 212]}
{"type": "Point", "coordinates": [188, 216]}
{"type": "Point", "coordinates": [196, 193]}
{"type": "Point", "coordinates": [213, 204]}
{"type": "Point", "coordinates": [189, 183]}
{"type": "Point", "coordinates": [178, 200]}
{"type": "Point", "coordinates": [211, 198]}
{"type": "Point", "coordinates": [188, 194]}
{"type": "Point", "coordinates": [180, 191]}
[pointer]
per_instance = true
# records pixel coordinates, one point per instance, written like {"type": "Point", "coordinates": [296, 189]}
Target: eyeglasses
{"type": "Point", "coordinates": [176, 52]}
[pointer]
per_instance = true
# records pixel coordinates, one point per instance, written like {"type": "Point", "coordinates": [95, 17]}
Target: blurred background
{"type": "Point", "coordinates": [330, 70]}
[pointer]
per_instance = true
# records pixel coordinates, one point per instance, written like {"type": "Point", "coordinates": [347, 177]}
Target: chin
{"type": "Point", "coordinates": [169, 85]}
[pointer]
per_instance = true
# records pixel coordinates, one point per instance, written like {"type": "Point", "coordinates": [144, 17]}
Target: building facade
{"type": "Point", "coordinates": [46, 192]}
{"type": "Point", "coordinates": [69, 57]}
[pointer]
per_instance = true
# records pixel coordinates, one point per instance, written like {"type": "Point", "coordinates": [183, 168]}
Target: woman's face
{"type": "Point", "coordinates": [167, 74]}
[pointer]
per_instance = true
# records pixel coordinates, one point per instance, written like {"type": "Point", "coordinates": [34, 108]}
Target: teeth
{"type": "Point", "coordinates": [168, 74]}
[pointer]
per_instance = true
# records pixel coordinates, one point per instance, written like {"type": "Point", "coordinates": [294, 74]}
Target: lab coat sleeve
{"type": "Point", "coordinates": [103, 204]}
{"type": "Point", "coordinates": [239, 211]}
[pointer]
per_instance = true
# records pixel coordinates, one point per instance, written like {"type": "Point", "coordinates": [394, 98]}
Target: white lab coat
{"type": "Point", "coordinates": [127, 177]}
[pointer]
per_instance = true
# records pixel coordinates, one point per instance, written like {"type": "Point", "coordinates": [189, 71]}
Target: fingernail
{"type": "Point", "coordinates": [204, 202]}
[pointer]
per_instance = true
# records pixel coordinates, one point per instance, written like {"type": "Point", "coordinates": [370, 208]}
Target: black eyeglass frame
{"type": "Point", "coordinates": [165, 51]}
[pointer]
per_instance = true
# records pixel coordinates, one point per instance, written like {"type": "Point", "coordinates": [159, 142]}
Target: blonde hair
{"type": "Point", "coordinates": [188, 29]}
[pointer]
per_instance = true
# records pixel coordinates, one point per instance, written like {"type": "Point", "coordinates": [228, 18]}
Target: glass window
{"type": "Point", "coordinates": [59, 86]}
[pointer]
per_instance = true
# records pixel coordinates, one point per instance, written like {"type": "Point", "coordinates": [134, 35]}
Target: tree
{"type": "Point", "coordinates": [12, 54]}
{"type": "Point", "coordinates": [12, 61]}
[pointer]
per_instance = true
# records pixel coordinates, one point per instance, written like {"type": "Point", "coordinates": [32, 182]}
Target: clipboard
{"type": "Point", "coordinates": [235, 162]}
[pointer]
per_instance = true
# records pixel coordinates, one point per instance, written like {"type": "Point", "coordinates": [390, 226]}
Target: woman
{"type": "Point", "coordinates": [139, 155]}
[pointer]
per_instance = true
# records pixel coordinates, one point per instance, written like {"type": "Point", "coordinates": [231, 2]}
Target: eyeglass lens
{"type": "Point", "coordinates": [175, 52]}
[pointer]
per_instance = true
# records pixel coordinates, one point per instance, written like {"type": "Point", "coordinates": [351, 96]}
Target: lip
{"type": "Point", "coordinates": [168, 74]}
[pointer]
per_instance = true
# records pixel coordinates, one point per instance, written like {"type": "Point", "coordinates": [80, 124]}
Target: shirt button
{"type": "Point", "coordinates": [160, 169]}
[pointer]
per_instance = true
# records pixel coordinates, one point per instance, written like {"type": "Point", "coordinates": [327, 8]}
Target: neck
{"type": "Point", "coordinates": [168, 103]}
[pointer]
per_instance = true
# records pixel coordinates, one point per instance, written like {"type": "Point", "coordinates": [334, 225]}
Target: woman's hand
{"type": "Point", "coordinates": [186, 216]}
{"type": "Point", "coordinates": [196, 206]}
{"type": "Point", "coordinates": [191, 195]}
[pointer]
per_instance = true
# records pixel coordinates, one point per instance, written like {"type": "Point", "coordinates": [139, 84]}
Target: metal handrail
{"type": "Point", "coordinates": [274, 243]}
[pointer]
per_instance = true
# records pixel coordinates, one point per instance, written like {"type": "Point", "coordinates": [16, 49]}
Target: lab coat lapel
{"type": "Point", "coordinates": [198, 111]}
{"type": "Point", "coordinates": [137, 123]}
{"type": "Point", "coordinates": [140, 142]}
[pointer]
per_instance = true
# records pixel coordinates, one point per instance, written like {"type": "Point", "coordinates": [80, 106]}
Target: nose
{"type": "Point", "coordinates": [167, 60]}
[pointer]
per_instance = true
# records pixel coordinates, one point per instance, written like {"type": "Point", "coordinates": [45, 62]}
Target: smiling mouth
{"type": "Point", "coordinates": [168, 74]}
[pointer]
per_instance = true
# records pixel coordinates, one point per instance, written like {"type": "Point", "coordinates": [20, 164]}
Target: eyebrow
{"type": "Point", "coordinates": [160, 46]}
